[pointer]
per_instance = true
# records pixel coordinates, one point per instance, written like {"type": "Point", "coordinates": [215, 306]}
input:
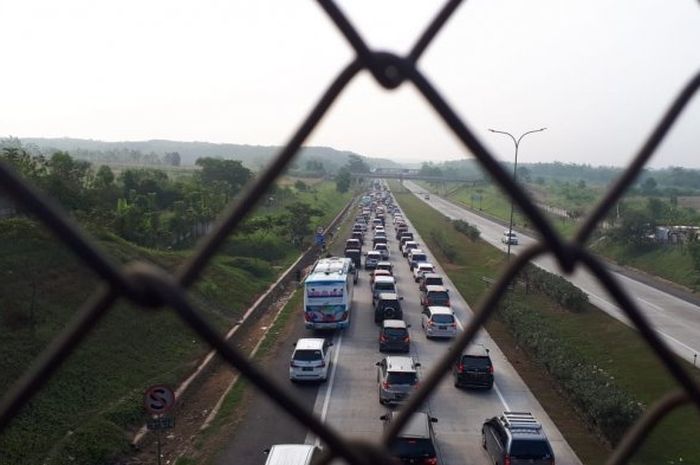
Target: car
{"type": "Point", "coordinates": [474, 369]}
{"type": "Point", "coordinates": [376, 273]}
{"type": "Point", "coordinates": [356, 256]}
{"type": "Point", "coordinates": [310, 359]}
{"type": "Point", "coordinates": [426, 196]}
{"type": "Point", "coordinates": [386, 265]}
{"type": "Point", "coordinates": [353, 244]}
{"type": "Point", "coordinates": [371, 259]}
{"type": "Point", "coordinates": [416, 256]}
{"type": "Point", "coordinates": [292, 454]}
{"type": "Point", "coordinates": [509, 237]}
{"type": "Point", "coordinates": [397, 377]}
{"type": "Point", "coordinates": [421, 268]}
{"type": "Point", "coordinates": [387, 306]}
{"type": "Point", "coordinates": [408, 246]}
{"type": "Point", "coordinates": [383, 284]}
{"type": "Point", "coordinates": [359, 236]}
{"type": "Point", "coordinates": [379, 240]}
{"type": "Point", "coordinates": [393, 336]}
{"type": "Point", "coordinates": [415, 443]}
{"type": "Point", "coordinates": [377, 223]}
{"type": "Point", "coordinates": [515, 438]}
{"type": "Point", "coordinates": [435, 295]}
{"type": "Point", "coordinates": [383, 249]}
{"type": "Point", "coordinates": [400, 229]}
{"type": "Point", "coordinates": [438, 321]}
{"type": "Point", "coordinates": [430, 279]}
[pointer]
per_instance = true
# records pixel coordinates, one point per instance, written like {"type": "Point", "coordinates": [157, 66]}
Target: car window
{"type": "Point", "coordinates": [395, 332]}
{"type": "Point", "coordinates": [413, 447]}
{"type": "Point", "coordinates": [433, 281]}
{"type": "Point", "coordinates": [384, 287]}
{"type": "Point", "coordinates": [438, 298]}
{"type": "Point", "coordinates": [401, 377]}
{"type": "Point", "coordinates": [443, 319]}
{"type": "Point", "coordinates": [476, 362]}
{"type": "Point", "coordinates": [307, 355]}
{"type": "Point", "coordinates": [530, 449]}
{"type": "Point", "coordinates": [418, 257]}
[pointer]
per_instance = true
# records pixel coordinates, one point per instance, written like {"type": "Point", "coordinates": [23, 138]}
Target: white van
{"type": "Point", "coordinates": [310, 360]}
{"type": "Point", "coordinates": [292, 454]}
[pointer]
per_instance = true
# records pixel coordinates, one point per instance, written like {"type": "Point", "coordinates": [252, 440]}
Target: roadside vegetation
{"type": "Point", "coordinates": [596, 366]}
{"type": "Point", "coordinates": [85, 413]}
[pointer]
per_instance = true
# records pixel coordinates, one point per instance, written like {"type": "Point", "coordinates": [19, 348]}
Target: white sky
{"type": "Point", "coordinates": [597, 73]}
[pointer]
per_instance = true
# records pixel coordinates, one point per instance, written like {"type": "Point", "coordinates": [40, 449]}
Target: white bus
{"type": "Point", "coordinates": [328, 294]}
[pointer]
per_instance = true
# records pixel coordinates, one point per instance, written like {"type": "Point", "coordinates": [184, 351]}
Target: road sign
{"type": "Point", "coordinates": [158, 399]}
{"type": "Point", "coordinates": [160, 423]}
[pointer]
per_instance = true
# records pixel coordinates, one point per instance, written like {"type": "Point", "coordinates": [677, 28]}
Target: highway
{"type": "Point", "coordinates": [676, 320]}
{"type": "Point", "coordinates": [349, 400]}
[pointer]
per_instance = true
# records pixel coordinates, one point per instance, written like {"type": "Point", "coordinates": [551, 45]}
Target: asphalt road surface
{"type": "Point", "coordinates": [349, 400]}
{"type": "Point", "coordinates": [676, 320]}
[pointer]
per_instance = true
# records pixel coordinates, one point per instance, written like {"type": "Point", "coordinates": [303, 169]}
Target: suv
{"type": "Point", "coordinates": [383, 250]}
{"type": "Point", "coordinates": [416, 256]}
{"type": "Point", "coordinates": [359, 236]}
{"type": "Point", "coordinates": [310, 359]}
{"type": "Point", "coordinates": [474, 369]}
{"type": "Point", "coordinates": [386, 265]}
{"type": "Point", "coordinates": [394, 336]}
{"type": "Point", "coordinates": [416, 442]}
{"type": "Point", "coordinates": [435, 295]}
{"type": "Point", "coordinates": [408, 246]}
{"type": "Point", "coordinates": [430, 279]}
{"type": "Point", "coordinates": [387, 306]}
{"type": "Point", "coordinates": [516, 438]}
{"type": "Point", "coordinates": [353, 244]}
{"type": "Point", "coordinates": [397, 377]}
{"type": "Point", "coordinates": [293, 454]}
{"type": "Point", "coordinates": [422, 268]}
{"type": "Point", "coordinates": [438, 322]}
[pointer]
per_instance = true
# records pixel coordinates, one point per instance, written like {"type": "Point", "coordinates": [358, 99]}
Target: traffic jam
{"type": "Point", "coordinates": [379, 229]}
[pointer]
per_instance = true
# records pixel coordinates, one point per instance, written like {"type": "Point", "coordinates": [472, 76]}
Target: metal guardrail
{"type": "Point", "coordinates": [151, 287]}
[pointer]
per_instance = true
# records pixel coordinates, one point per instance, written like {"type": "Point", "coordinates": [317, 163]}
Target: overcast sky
{"type": "Point", "coordinates": [597, 73]}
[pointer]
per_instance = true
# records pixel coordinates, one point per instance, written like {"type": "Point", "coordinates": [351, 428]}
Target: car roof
{"type": "Point", "coordinates": [417, 426]}
{"type": "Point", "coordinates": [432, 275]}
{"type": "Point", "coordinates": [310, 343]}
{"type": "Point", "coordinates": [388, 296]}
{"type": "Point", "coordinates": [400, 363]}
{"type": "Point", "coordinates": [425, 264]}
{"type": "Point", "coordinates": [440, 310]}
{"type": "Point", "coordinates": [289, 454]}
{"type": "Point", "coordinates": [435, 288]}
{"type": "Point", "coordinates": [384, 279]}
{"type": "Point", "coordinates": [417, 252]}
{"type": "Point", "coordinates": [394, 324]}
{"type": "Point", "coordinates": [476, 350]}
{"type": "Point", "coordinates": [373, 253]}
{"type": "Point", "coordinates": [384, 262]}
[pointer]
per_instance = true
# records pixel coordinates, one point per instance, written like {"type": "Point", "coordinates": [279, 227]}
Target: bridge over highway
{"type": "Point", "coordinates": [413, 175]}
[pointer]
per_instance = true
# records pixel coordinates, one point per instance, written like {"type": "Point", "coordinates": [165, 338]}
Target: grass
{"type": "Point", "coordinates": [96, 395]}
{"type": "Point", "coordinates": [599, 338]}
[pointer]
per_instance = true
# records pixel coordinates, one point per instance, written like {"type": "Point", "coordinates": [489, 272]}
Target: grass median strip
{"type": "Point", "coordinates": [624, 366]}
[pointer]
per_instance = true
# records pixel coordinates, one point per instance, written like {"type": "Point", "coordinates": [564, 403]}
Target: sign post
{"type": "Point", "coordinates": [158, 400]}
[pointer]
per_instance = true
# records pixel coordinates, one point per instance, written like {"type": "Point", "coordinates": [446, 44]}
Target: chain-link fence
{"type": "Point", "coordinates": [151, 287]}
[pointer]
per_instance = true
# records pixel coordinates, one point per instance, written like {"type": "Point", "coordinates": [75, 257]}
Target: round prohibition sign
{"type": "Point", "coordinates": [158, 399]}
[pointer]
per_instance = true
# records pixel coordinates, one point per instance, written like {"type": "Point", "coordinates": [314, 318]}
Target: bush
{"type": "Point", "coordinates": [472, 232]}
{"type": "Point", "coordinates": [257, 245]}
{"type": "Point", "coordinates": [556, 287]}
{"type": "Point", "coordinates": [254, 266]}
{"type": "Point", "coordinates": [446, 247]}
{"type": "Point", "coordinates": [606, 405]}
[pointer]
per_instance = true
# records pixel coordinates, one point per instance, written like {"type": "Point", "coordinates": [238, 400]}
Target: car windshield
{"type": "Point", "coordinates": [433, 282]}
{"type": "Point", "coordinates": [307, 355]}
{"type": "Point", "coordinates": [413, 447]}
{"type": "Point", "coordinates": [476, 362]}
{"type": "Point", "coordinates": [530, 449]}
{"type": "Point", "coordinates": [443, 319]}
{"type": "Point", "coordinates": [401, 377]}
{"type": "Point", "coordinates": [419, 257]}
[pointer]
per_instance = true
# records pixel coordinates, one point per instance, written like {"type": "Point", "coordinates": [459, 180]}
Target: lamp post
{"type": "Point", "coordinates": [515, 167]}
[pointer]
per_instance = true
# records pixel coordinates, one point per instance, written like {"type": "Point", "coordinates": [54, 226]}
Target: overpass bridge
{"type": "Point", "coordinates": [414, 176]}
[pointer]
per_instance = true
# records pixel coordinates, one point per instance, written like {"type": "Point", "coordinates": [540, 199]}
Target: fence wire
{"type": "Point", "coordinates": [151, 287]}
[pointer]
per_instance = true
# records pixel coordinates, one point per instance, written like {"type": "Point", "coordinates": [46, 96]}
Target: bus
{"type": "Point", "coordinates": [328, 294]}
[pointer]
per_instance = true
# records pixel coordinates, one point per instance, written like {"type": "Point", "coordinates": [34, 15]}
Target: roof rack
{"type": "Point", "coordinates": [521, 420]}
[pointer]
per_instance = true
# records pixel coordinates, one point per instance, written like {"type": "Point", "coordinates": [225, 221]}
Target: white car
{"type": "Point", "coordinates": [422, 267]}
{"type": "Point", "coordinates": [383, 250]}
{"type": "Point", "coordinates": [438, 321]}
{"type": "Point", "coordinates": [509, 237]}
{"type": "Point", "coordinates": [407, 246]}
{"type": "Point", "coordinates": [311, 360]}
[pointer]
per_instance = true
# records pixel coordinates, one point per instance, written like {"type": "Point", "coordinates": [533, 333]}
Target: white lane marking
{"type": "Point", "coordinates": [495, 386]}
{"type": "Point", "coordinates": [621, 277]}
{"type": "Point", "coordinates": [311, 438]}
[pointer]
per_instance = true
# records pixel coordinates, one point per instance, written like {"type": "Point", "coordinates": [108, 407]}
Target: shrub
{"type": "Point", "coordinates": [472, 232]}
{"type": "Point", "coordinates": [446, 247]}
{"type": "Point", "coordinates": [556, 287]}
{"type": "Point", "coordinates": [254, 266]}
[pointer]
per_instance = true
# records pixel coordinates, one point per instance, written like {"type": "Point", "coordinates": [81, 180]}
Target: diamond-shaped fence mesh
{"type": "Point", "coordinates": [150, 287]}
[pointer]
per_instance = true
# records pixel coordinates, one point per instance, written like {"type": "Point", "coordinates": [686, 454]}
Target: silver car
{"type": "Point", "coordinates": [397, 377]}
{"type": "Point", "coordinates": [438, 322]}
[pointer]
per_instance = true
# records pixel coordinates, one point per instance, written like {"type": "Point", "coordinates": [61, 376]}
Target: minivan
{"type": "Point", "coordinates": [516, 438]}
{"type": "Point", "coordinates": [310, 360]}
{"type": "Point", "coordinates": [393, 336]}
{"type": "Point", "coordinates": [397, 377]}
{"type": "Point", "coordinates": [292, 454]}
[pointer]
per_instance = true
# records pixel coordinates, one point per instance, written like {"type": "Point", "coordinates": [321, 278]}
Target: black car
{"type": "Point", "coordinates": [387, 307]}
{"type": "Point", "coordinates": [393, 336]}
{"type": "Point", "coordinates": [516, 438]}
{"type": "Point", "coordinates": [415, 444]}
{"type": "Point", "coordinates": [474, 369]}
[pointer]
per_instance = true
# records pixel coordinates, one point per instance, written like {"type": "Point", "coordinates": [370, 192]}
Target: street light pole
{"type": "Point", "coordinates": [515, 168]}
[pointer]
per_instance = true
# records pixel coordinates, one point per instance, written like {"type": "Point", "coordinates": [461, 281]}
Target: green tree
{"type": "Point", "coordinates": [231, 172]}
{"type": "Point", "coordinates": [649, 186]}
{"type": "Point", "coordinates": [357, 164]}
{"type": "Point", "coordinates": [343, 179]}
{"type": "Point", "coordinates": [298, 221]}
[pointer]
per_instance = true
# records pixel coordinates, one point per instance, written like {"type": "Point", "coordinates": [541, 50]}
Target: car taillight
{"type": "Point", "coordinates": [323, 363]}
{"type": "Point", "coordinates": [382, 338]}
{"type": "Point", "coordinates": [460, 367]}
{"type": "Point", "coordinates": [430, 461]}
{"type": "Point", "coordinates": [386, 385]}
{"type": "Point", "coordinates": [491, 371]}
{"type": "Point", "coordinates": [453, 325]}
{"type": "Point", "coordinates": [431, 323]}
{"type": "Point", "coordinates": [506, 460]}
{"type": "Point", "coordinates": [292, 364]}
{"type": "Point", "coordinates": [407, 339]}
